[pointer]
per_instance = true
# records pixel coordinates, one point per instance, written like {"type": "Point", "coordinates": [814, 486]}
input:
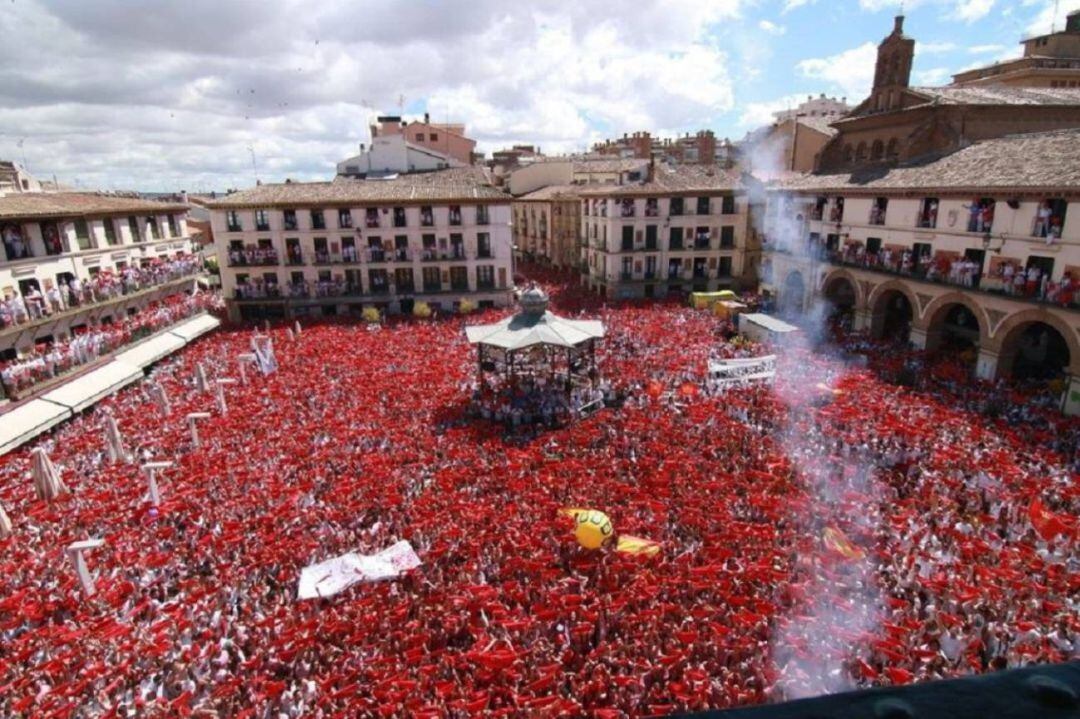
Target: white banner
{"type": "Point", "coordinates": [328, 578]}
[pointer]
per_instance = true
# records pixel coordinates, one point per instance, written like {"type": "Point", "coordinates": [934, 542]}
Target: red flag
{"type": "Point", "coordinates": [1045, 522]}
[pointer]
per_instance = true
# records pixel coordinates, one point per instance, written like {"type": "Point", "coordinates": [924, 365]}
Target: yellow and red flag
{"type": "Point", "coordinates": [836, 541]}
{"type": "Point", "coordinates": [628, 544]}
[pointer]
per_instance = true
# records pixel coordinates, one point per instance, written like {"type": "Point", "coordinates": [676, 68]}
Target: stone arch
{"type": "Point", "coordinates": [882, 306]}
{"type": "Point", "coordinates": [793, 293]}
{"type": "Point", "coordinates": [840, 293]}
{"type": "Point", "coordinates": [860, 152]}
{"type": "Point", "coordinates": [892, 150]}
{"type": "Point", "coordinates": [935, 313]}
{"type": "Point", "coordinates": [849, 153]}
{"type": "Point", "coordinates": [877, 150]}
{"type": "Point", "coordinates": [1007, 335]}
{"type": "Point", "coordinates": [843, 274]}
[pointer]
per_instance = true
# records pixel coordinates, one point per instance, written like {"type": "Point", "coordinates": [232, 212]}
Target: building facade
{"type": "Point", "coordinates": [445, 138]}
{"type": "Point", "coordinates": [976, 252]}
{"type": "Point", "coordinates": [1051, 60]}
{"type": "Point", "coordinates": [330, 248]}
{"type": "Point", "coordinates": [547, 225]}
{"type": "Point", "coordinates": [57, 244]}
{"type": "Point", "coordinates": [821, 106]}
{"type": "Point", "coordinates": [682, 229]}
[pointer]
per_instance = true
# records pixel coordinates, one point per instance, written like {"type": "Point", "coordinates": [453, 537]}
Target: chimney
{"type": "Point", "coordinates": [898, 27]}
{"type": "Point", "coordinates": [427, 119]}
{"type": "Point", "coordinates": [652, 170]}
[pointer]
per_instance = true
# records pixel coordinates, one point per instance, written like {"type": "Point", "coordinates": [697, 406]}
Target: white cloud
{"type": "Point", "coordinates": [982, 49]}
{"type": "Point", "coordinates": [1046, 18]}
{"type": "Point", "coordinates": [758, 114]}
{"type": "Point", "coordinates": [971, 10]}
{"type": "Point", "coordinates": [772, 28]}
{"type": "Point", "coordinates": [790, 5]}
{"type": "Point", "coordinates": [134, 102]}
{"type": "Point", "coordinates": [934, 48]}
{"type": "Point", "coordinates": [852, 71]}
{"type": "Point", "coordinates": [933, 76]}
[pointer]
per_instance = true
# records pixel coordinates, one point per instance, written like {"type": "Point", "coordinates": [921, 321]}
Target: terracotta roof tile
{"type": "Point", "coordinates": [74, 204]}
{"type": "Point", "coordinates": [1028, 161]}
{"type": "Point", "coordinates": [672, 180]}
{"type": "Point", "coordinates": [460, 184]}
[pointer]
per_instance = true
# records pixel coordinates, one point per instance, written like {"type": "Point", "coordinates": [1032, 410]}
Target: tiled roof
{"type": "Point", "coordinates": [819, 123]}
{"type": "Point", "coordinates": [74, 204]}
{"type": "Point", "coordinates": [609, 165]}
{"type": "Point", "coordinates": [464, 184]}
{"type": "Point", "coordinates": [1029, 161]}
{"type": "Point", "coordinates": [554, 191]}
{"type": "Point", "coordinates": [673, 180]}
{"type": "Point", "coordinates": [1000, 95]}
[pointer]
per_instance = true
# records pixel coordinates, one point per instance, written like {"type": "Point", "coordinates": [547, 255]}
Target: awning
{"type": "Point", "coordinates": [81, 392]}
{"type": "Point", "coordinates": [28, 420]}
{"type": "Point", "coordinates": [526, 330]}
{"type": "Point", "coordinates": [196, 327]}
{"type": "Point", "coordinates": [147, 353]}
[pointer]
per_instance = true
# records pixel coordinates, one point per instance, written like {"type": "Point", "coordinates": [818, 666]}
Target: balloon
{"type": "Point", "coordinates": [593, 529]}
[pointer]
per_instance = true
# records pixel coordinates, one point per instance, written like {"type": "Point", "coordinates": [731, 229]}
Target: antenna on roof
{"type": "Point", "coordinates": [254, 170]}
{"type": "Point", "coordinates": [1053, 23]}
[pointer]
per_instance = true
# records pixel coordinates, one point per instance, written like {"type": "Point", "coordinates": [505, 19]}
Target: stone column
{"type": "Point", "coordinates": [917, 337]}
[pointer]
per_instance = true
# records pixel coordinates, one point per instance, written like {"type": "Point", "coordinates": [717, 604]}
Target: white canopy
{"type": "Point", "coordinates": [521, 330]}
{"type": "Point", "coordinates": [534, 325]}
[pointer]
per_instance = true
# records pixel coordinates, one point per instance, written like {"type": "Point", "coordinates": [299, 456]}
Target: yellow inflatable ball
{"type": "Point", "coordinates": [593, 529]}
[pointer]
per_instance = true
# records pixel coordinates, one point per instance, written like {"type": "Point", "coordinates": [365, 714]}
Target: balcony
{"type": "Point", "coordinates": [484, 255]}
{"type": "Point", "coordinates": [701, 243]}
{"type": "Point", "coordinates": [460, 286]}
{"type": "Point", "coordinates": [259, 227]}
{"type": "Point", "coordinates": [234, 228]}
{"type": "Point", "coordinates": [431, 287]}
{"type": "Point", "coordinates": [626, 276]}
{"type": "Point", "coordinates": [375, 255]}
{"type": "Point", "coordinates": [294, 258]}
{"type": "Point", "coordinates": [485, 285]}
{"type": "Point", "coordinates": [324, 258]}
{"type": "Point", "coordinates": [252, 259]}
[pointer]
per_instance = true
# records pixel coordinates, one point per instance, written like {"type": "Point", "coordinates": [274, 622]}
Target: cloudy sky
{"type": "Point", "coordinates": [180, 94]}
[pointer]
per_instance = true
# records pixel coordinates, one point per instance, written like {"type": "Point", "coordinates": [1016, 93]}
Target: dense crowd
{"type": "Point", "coordinates": [50, 360]}
{"type": "Point", "coordinates": [833, 531]}
{"type": "Point", "coordinates": [34, 304]}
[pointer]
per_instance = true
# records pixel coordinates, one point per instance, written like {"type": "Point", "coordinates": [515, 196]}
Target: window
{"type": "Point", "coordinates": [877, 151]}
{"type": "Point", "coordinates": [459, 278]}
{"type": "Point", "coordinates": [322, 254]}
{"type": "Point", "coordinates": [433, 136]}
{"type": "Point", "coordinates": [650, 267]}
{"type": "Point", "coordinates": [1050, 218]}
{"type": "Point", "coordinates": [727, 237]}
{"type": "Point", "coordinates": [419, 137]}
{"type": "Point", "coordinates": [819, 208]}
{"type": "Point", "coordinates": [348, 249]}
{"type": "Point", "coordinates": [344, 219]}
{"type": "Point", "coordinates": [457, 246]}
{"type": "Point", "coordinates": [401, 248]}
{"type": "Point", "coordinates": [428, 243]}
{"type": "Point", "coordinates": [877, 210]}
{"type": "Point", "coordinates": [727, 206]}
{"type": "Point", "coordinates": [482, 215]}
{"type": "Point", "coordinates": [16, 244]}
{"type": "Point", "coordinates": [676, 239]}
{"type": "Point", "coordinates": [318, 220]}
{"type": "Point", "coordinates": [650, 237]}
{"type": "Point", "coordinates": [293, 255]}
{"type": "Point", "coordinates": [427, 216]}
{"type": "Point", "coordinates": [432, 280]}
{"type": "Point", "coordinates": [174, 229]}
{"type": "Point", "coordinates": [485, 277]}
{"type": "Point", "coordinates": [892, 151]}
{"type": "Point", "coordinates": [110, 231]}
{"type": "Point", "coordinates": [289, 219]}
{"type": "Point", "coordinates": [403, 280]}
{"type": "Point", "coordinates": [82, 233]}
{"type": "Point", "coordinates": [873, 245]}
{"type": "Point", "coordinates": [860, 152]}
{"type": "Point", "coordinates": [703, 205]}
{"type": "Point", "coordinates": [375, 250]}
{"type": "Point", "coordinates": [652, 207]}
{"type": "Point", "coordinates": [378, 282]}
{"type": "Point", "coordinates": [455, 214]}
{"type": "Point", "coordinates": [701, 238]}
{"type": "Point", "coordinates": [483, 245]}
{"type": "Point", "coordinates": [675, 206]}
{"type": "Point", "coordinates": [627, 238]}
{"type": "Point", "coordinates": [928, 210]}
{"type": "Point", "coordinates": [232, 223]}
{"type": "Point", "coordinates": [399, 217]}
{"type": "Point", "coordinates": [626, 206]}
{"type": "Point", "coordinates": [627, 268]}
{"type": "Point", "coordinates": [836, 214]}
{"type": "Point", "coordinates": [50, 235]}
{"type": "Point", "coordinates": [980, 214]}
{"type": "Point", "coordinates": [151, 222]}
{"type": "Point", "coordinates": [371, 217]}
{"type": "Point", "coordinates": [262, 220]}
{"type": "Point", "coordinates": [725, 267]}
{"type": "Point", "coordinates": [133, 228]}
{"type": "Point", "coordinates": [585, 207]}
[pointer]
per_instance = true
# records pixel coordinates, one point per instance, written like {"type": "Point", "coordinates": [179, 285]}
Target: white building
{"type": "Point", "coordinates": [819, 106]}
{"type": "Point", "coordinates": [390, 154]}
{"type": "Point", "coordinates": [678, 229]}
{"type": "Point", "coordinates": [56, 241]}
{"type": "Point", "coordinates": [327, 248]}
